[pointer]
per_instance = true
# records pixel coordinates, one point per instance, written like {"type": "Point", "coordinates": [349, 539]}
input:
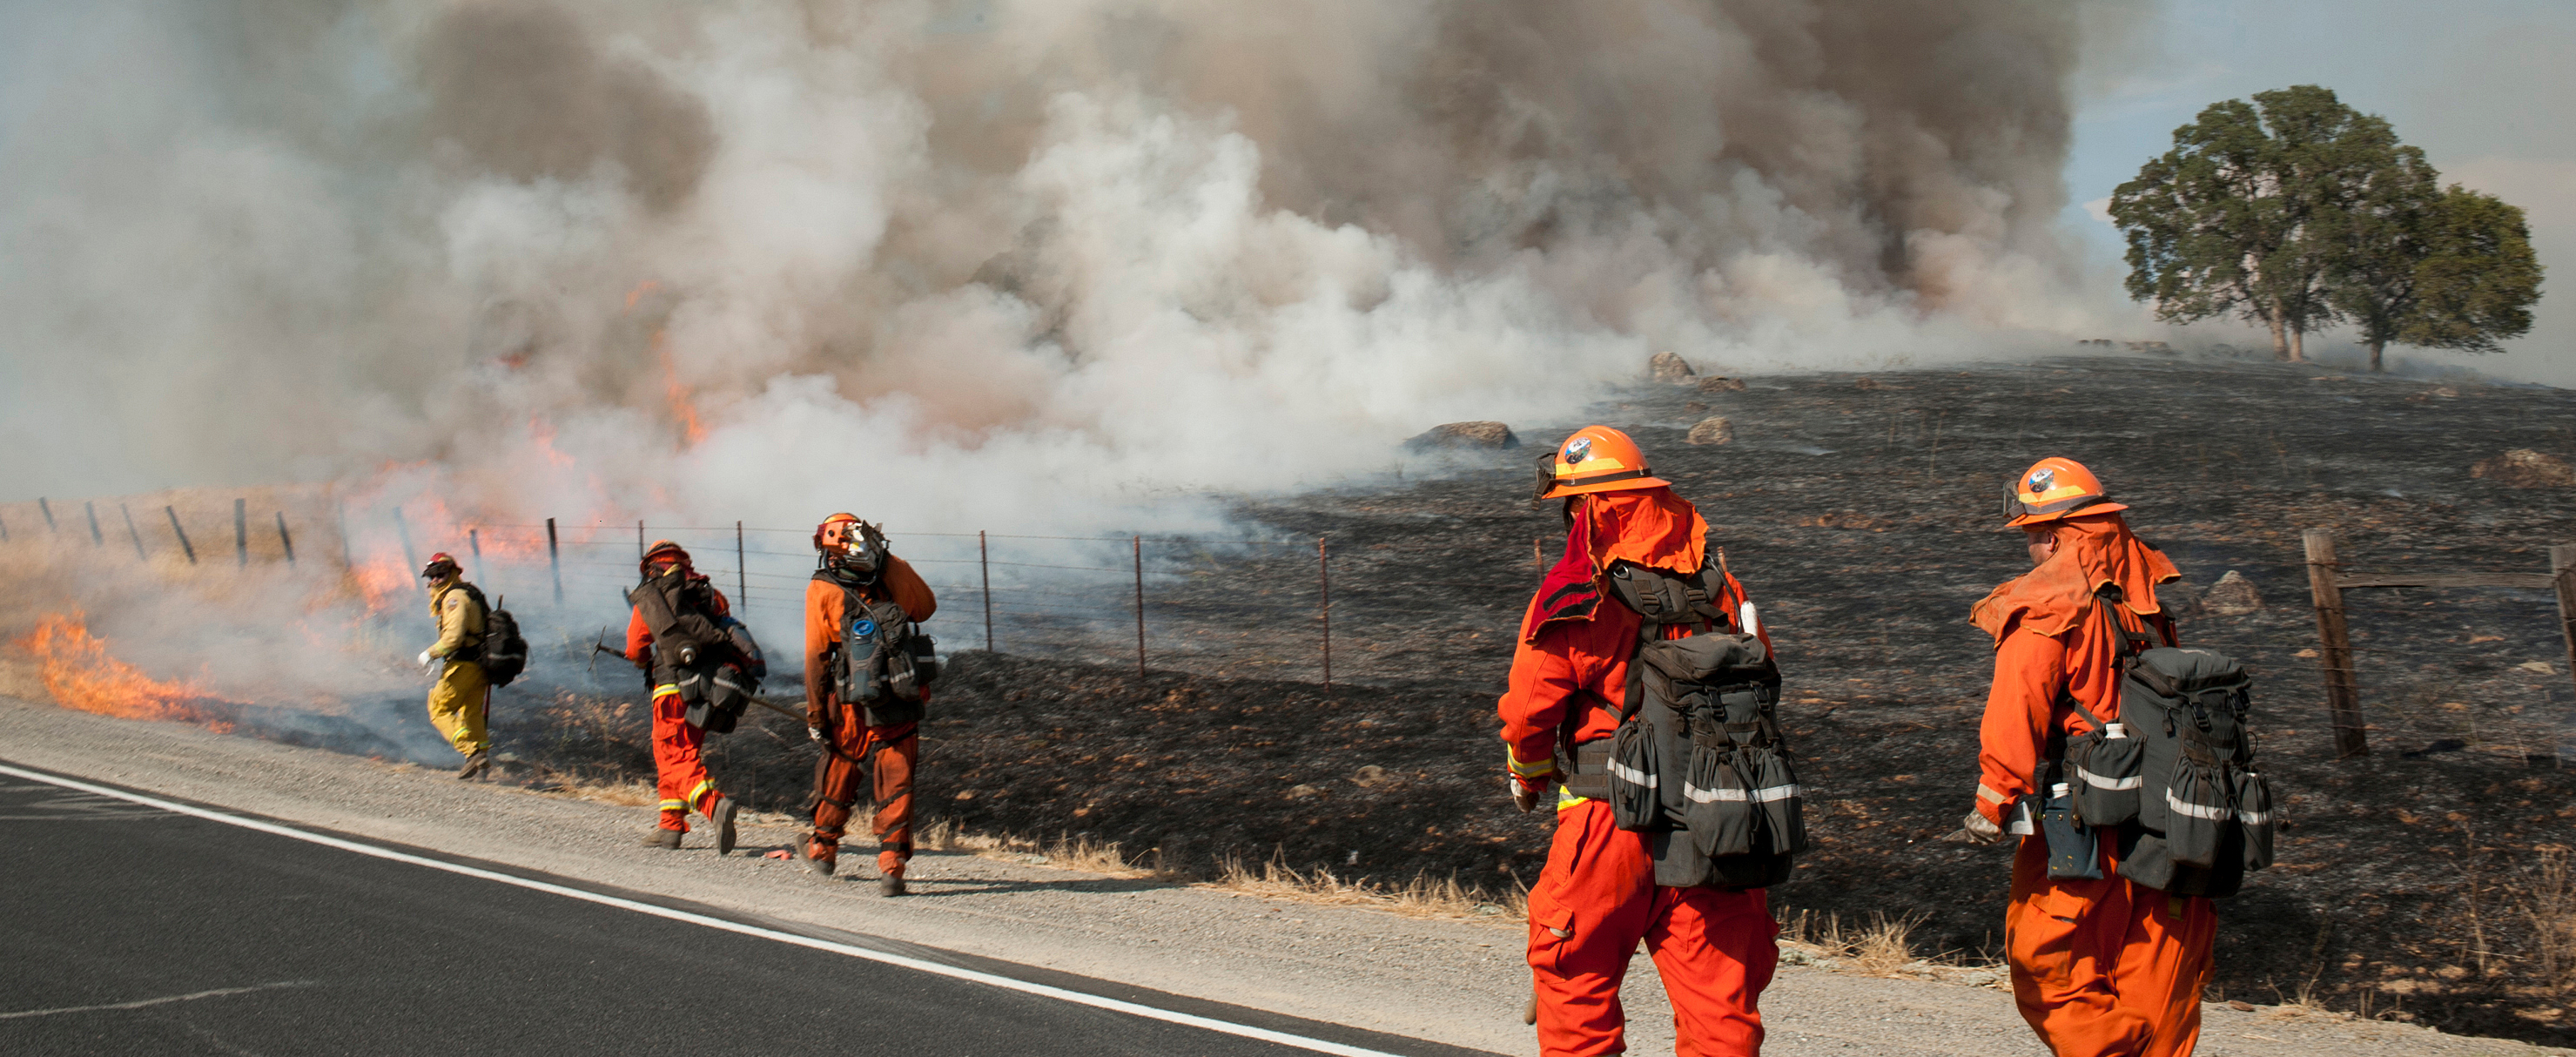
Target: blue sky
{"type": "Point", "coordinates": [2486, 87]}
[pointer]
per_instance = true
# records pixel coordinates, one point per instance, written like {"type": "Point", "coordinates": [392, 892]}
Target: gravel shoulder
{"type": "Point", "coordinates": [1455, 982]}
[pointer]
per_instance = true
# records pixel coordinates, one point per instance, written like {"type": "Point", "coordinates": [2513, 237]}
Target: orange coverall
{"type": "Point", "coordinates": [895, 748]}
{"type": "Point", "coordinates": [680, 771]}
{"type": "Point", "coordinates": [1597, 898]}
{"type": "Point", "coordinates": [2100, 968]}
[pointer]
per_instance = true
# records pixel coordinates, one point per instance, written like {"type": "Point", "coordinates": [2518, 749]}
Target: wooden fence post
{"type": "Point", "coordinates": [97, 540]}
{"type": "Point", "coordinates": [175, 530]}
{"type": "Point", "coordinates": [241, 532]}
{"type": "Point", "coordinates": [1324, 593]}
{"type": "Point", "coordinates": [48, 509]}
{"type": "Point", "coordinates": [741, 572]}
{"type": "Point", "coordinates": [554, 559]}
{"type": "Point", "coordinates": [474, 543]}
{"type": "Point", "coordinates": [984, 563]}
{"type": "Point", "coordinates": [285, 542]}
{"type": "Point", "coordinates": [2334, 647]}
{"type": "Point", "coordinates": [2562, 570]}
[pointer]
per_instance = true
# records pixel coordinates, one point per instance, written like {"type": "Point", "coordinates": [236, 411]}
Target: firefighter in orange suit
{"type": "Point", "coordinates": [856, 568]}
{"type": "Point", "coordinates": [2100, 967]}
{"type": "Point", "coordinates": [679, 765]}
{"type": "Point", "coordinates": [1597, 898]}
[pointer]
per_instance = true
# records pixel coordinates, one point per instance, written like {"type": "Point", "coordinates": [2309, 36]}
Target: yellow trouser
{"type": "Point", "coordinates": [457, 706]}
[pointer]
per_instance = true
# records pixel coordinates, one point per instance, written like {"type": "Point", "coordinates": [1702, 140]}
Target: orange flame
{"type": "Point", "coordinates": [79, 673]}
{"type": "Point", "coordinates": [691, 429]}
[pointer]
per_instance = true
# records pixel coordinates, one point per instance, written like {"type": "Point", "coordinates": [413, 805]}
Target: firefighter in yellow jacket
{"type": "Point", "coordinates": [461, 699]}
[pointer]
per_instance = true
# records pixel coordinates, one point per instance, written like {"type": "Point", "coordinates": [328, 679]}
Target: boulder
{"type": "Point", "coordinates": [2525, 468]}
{"type": "Point", "coordinates": [1714, 429]}
{"type": "Point", "coordinates": [2232, 596]}
{"type": "Point", "coordinates": [1718, 383]}
{"type": "Point", "coordinates": [1669, 369]}
{"type": "Point", "coordinates": [1466, 435]}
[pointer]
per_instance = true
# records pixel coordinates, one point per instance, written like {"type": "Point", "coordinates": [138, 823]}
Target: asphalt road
{"type": "Point", "coordinates": [126, 928]}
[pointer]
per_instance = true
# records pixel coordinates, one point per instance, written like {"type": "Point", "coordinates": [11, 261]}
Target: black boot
{"type": "Point", "coordinates": [723, 816]}
{"type": "Point", "coordinates": [662, 838]}
{"type": "Point", "coordinates": [476, 764]}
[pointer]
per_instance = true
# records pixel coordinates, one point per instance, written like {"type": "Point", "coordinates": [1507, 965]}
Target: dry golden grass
{"type": "Point", "coordinates": [2551, 906]}
{"type": "Point", "coordinates": [1882, 947]}
{"type": "Point", "coordinates": [1420, 897]}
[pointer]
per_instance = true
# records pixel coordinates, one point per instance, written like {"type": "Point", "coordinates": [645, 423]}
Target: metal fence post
{"type": "Point", "coordinates": [411, 559]}
{"type": "Point", "coordinates": [175, 530]}
{"type": "Point", "coordinates": [48, 509]}
{"type": "Point", "coordinates": [130, 530]}
{"type": "Point", "coordinates": [474, 542]}
{"type": "Point", "coordinates": [741, 575]}
{"type": "Point", "coordinates": [285, 542]}
{"type": "Point", "coordinates": [984, 562]}
{"type": "Point", "coordinates": [97, 540]}
{"type": "Point", "coordinates": [2334, 646]}
{"type": "Point", "coordinates": [1324, 592]}
{"type": "Point", "coordinates": [554, 559]}
{"type": "Point", "coordinates": [241, 532]}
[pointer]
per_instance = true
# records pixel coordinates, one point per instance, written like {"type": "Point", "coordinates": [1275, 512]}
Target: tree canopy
{"type": "Point", "coordinates": [2299, 212]}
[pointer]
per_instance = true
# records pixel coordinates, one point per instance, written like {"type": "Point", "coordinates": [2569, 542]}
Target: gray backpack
{"type": "Point", "coordinates": [2175, 771]}
{"type": "Point", "coordinates": [1698, 764]}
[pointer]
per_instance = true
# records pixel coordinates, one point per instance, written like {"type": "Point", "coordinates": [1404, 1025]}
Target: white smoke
{"type": "Point", "coordinates": [984, 263]}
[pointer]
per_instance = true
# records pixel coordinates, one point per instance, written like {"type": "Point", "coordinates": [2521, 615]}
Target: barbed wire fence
{"type": "Point", "coordinates": [1315, 610]}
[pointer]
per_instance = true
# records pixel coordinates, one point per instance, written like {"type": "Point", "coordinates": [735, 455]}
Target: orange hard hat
{"type": "Point", "coordinates": [1594, 459]}
{"type": "Point", "coordinates": [659, 550]}
{"type": "Point", "coordinates": [2053, 488]}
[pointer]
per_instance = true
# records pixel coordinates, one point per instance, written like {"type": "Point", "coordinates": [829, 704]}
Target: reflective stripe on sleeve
{"type": "Point", "coordinates": [667, 690]}
{"type": "Point", "coordinates": [1529, 770]}
{"type": "Point", "coordinates": [1566, 799]}
{"type": "Point", "coordinates": [2099, 782]}
{"type": "Point", "coordinates": [1990, 796]}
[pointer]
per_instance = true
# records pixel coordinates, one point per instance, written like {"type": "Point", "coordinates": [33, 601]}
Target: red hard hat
{"type": "Point", "coordinates": [825, 528]}
{"type": "Point", "coordinates": [2053, 488]}
{"type": "Point", "coordinates": [437, 561]}
{"type": "Point", "coordinates": [661, 549]}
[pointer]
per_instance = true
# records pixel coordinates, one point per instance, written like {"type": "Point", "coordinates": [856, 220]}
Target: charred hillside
{"type": "Point", "coordinates": [1862, 513]}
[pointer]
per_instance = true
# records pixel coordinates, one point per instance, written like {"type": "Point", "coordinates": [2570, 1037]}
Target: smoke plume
{"type": "Point", "coordinates": [975, 263]}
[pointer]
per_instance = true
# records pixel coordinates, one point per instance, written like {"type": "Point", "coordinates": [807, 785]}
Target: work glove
{"type": "Point", "coordinates": [814, 734]}
{"type": "Point", "coordinates": [1978, 830]}
{"type": "Point", "coordinates": [1524, 797]}
{"type": "Point", "coordinates": [425, 659]}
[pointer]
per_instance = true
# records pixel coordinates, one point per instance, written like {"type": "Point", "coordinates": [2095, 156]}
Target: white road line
{"type": "Point", "coordinates": [142, 1002]}
{"type": "Point", "coordinates": [953, 972]}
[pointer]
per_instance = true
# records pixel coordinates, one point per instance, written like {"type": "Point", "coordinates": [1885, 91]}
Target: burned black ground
{"type": "Point", "coordinates": [1862, 513]}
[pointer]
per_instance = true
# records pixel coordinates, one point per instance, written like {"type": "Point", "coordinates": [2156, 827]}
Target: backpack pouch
{"type": "Point", "coordinates": [2254, 817]}
{"type": "Point", "coordinates": [2074, 849]}
{"type": "Point", "coordinates": [1721, 818]}
{"type": "Point", "coordinates": [1635, 801]}
{"type": "Point", "coordinates": [1777, 794]}
{"type": "Point", "coordinates": [2198, 813]}
{"type": "Point", "coordinates": [2104, 772]}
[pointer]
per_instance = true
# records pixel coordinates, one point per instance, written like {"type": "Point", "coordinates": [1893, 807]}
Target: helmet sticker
{"type": "Point", "coordinates": [2042, 479]}
{"type": "Point", "coordinates": [1578, 450]}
